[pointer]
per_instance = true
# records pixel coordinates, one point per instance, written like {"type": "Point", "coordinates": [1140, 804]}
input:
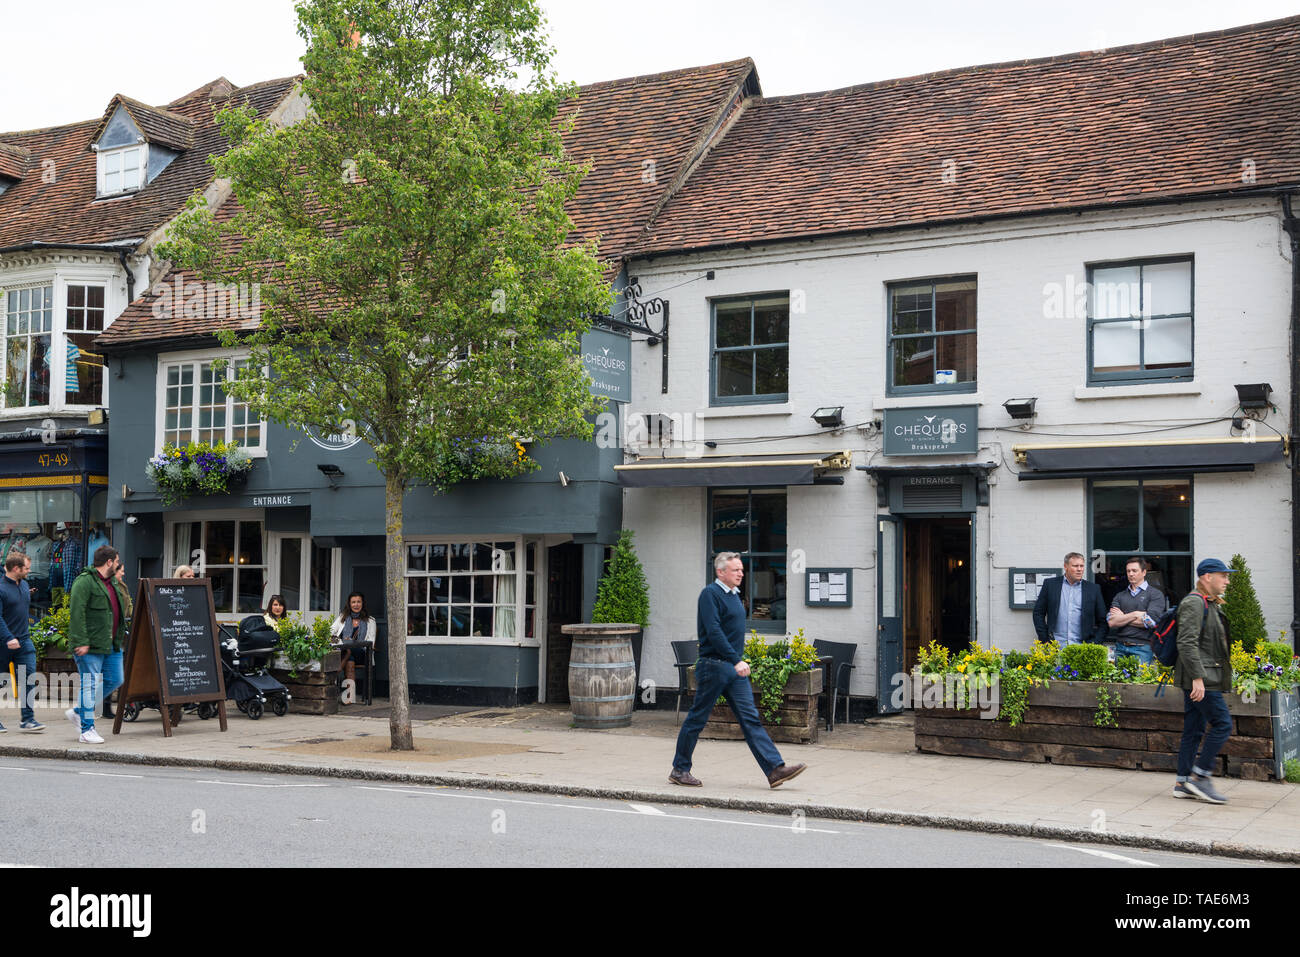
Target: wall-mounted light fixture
{"type": "Point", "coordinates": [829, 416]}
{"type": "Point", "coordinates": [1021, 408]}
{"type": "Point", "coordinates": [332, 472]}
{"type": "Point", "coordinates": [1253, 395]}
{"type": "Point", "coordinates": [564, 480]}
{"type": "Point", "coordinates": [97, 416]}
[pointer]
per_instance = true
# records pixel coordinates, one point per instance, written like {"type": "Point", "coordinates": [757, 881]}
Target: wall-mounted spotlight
{"type": "Point", "coordinates": [332, 472]}
{"type": "Point", "coordinates": [564, 480]}
{"type": "Point", "coordinates": [1021, 408]}
{"type": "Point", "coordinates": [1253, 395]}
{"type": "Point", "coordinates": [829, 416]}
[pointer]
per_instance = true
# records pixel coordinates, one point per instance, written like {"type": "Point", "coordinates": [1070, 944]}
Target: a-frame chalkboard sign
{"type": "Point", "coordinates": [174, 656]}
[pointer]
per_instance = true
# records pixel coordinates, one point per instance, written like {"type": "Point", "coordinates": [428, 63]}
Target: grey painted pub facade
{"type": "Point", "coordinates": [477, 631]}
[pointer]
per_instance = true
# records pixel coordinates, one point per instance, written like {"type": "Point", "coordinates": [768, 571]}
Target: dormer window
{"type": "Point", "coordinates": [134, 143]}
{"type": "Point", "coordinates": [122, 170]}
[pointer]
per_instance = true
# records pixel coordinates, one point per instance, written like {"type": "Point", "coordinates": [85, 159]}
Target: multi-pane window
{"type": "Point", "coordinates": [84, 379]}
{"type": "Point", "coordinates": [752, 522]}
{"type": "Point", "coordinates": [751, 350]}
{"type": "Point", "coordinates": [1147, 518]}
{"type": "Point", "coordinates": [196, 408]}
{"type": "Point", "coordinates": [1140, 321]}
{"type": "Point", "coordinates": [304, 573]}
{"type": "Point", "coordinates": [231, 554]}
{"type": "Point", "coordinates": [932, 336]}
{"type": "Point", "coordinates": [121, 171]}
{"type": "Point", "coordinates": [471, 590]}
{"type": "Point", "coordinates": [28, 335]}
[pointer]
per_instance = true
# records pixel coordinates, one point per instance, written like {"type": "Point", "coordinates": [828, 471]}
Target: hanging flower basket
{"type": "Point", "coordinates": [198, 469]}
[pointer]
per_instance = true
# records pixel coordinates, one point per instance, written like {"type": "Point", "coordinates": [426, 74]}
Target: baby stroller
{"type": "Point", "coordinates": [244, 657]}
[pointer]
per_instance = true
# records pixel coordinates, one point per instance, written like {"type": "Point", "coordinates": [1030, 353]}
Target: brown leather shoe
{"type": "Point", "coordinates": [685, 779]}
{"type": "Point", "coordinates": [784, 773]}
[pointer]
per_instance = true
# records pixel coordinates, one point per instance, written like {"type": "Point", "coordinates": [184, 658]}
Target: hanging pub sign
{"type": "Point", "coordinates": [607, 357]}
{"type": "Point", "coordinates": [934, 430]}
{"type": "Point", "coordinates": [173, 657]}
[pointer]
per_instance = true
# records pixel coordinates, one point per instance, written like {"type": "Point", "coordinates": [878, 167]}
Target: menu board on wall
{"type": "Point", "coordinates": [829, 586]}
{"type": "Point", "coordinates": [1026, 583]}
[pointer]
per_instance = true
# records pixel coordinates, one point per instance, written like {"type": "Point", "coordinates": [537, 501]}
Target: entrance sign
{"type": "Point", "coordinates": [607, 357]}
{"type": "Point", "coordinates": [936, 430]}
{"type": "Point", "coordinates": [174, 656]}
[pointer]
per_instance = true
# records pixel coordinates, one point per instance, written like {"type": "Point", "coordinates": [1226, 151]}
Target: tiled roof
{"type": "Point", "coordinates": [158, 126]}
{"type": "Point", "coordinates": [14, 161]}
{"type": "Point", "coordinates": [59, 206]}
{"type": "Point", "coordinates": [1175, 118]}
{"type": "Point", "coordinates": [637, 134]}
{"type": "Point", "coordinates": [666, 118]}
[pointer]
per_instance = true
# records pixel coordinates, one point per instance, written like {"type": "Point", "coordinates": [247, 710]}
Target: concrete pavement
{"type": "Point", "coordinates": [858, 772]}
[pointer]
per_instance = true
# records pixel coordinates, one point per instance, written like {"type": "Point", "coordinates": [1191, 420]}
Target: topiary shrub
{"type": "Point", "coordinates": [1089, 661]}
{"type": "Point", "coordinates": [1241, 607]}
{"type": "Point", "coordinates": [622, 595]}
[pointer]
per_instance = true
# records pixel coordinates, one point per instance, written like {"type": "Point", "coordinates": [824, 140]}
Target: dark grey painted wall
{"type": "Point", "coordinates": [535, 503]}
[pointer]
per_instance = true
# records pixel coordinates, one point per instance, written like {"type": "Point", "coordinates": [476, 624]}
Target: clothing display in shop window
{"type": "Point", "coordinates": [65, 562]}
{"type": "Point", "coordinates": [97, 538]}
{"type": "Point", "coordinates": [38, 550]}
{"type": "Point", "coordinates": [17, 541]}
{"type": "Point", "coordinates": [72, 383]}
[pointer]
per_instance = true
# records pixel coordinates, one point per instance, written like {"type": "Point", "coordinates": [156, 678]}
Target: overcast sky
{"type": "Point", "coordinates": [64, 65]}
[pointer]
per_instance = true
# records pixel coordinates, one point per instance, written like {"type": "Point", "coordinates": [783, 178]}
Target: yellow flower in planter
{"type": "Point", "coordinates": [962, 667]}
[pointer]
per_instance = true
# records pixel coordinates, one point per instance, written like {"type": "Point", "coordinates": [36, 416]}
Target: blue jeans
{"type": "Point", "coordinates": [24, 659]}
{"type": "Point", "coordinates": [1211, 709]}
{"type": "Point", "coordinates": [100, 677]}
{"type": "Point", "coordinates": [1142, 653]}
{"type": "Point", "coordinates": [713, 678]}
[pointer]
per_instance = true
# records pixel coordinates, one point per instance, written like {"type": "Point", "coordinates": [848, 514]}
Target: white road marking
{"type": "Point", "coordinates": [14, 769]}
{"type": "Point", "coordinates": [1106, 854]}
{"type": "Point", "coordinates": [105, 774]}
{"type": "Point", "coordinates": [244, 784]}
{"type": "Point", "coordinates": [646, 809]}
{"type": "Point", "coordinates": [587, 807]}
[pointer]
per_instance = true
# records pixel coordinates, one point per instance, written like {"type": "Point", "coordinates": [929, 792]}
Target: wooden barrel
{"type": "Point", "coordinates": [602, 675]}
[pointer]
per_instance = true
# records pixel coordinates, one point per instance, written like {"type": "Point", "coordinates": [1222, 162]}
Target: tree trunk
{"type": "Point", "coordinates": [399, 716]}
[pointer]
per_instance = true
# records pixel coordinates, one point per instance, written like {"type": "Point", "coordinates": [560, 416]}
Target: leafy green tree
{"type": "Point", "coordinates": [1241, 607]}
{"type": "Point", "coordinates": [622, 594]}
{"type": "Point", "coordinates": [409, 239]}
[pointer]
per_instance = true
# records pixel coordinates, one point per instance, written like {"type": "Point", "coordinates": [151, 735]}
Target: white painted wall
{"type": "Point", "coordinates": [837, 357]}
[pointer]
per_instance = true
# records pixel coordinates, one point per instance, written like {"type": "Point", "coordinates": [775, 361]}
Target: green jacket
{"type": "Point", "coordinates": [1202, 655]}
{"type": "Point", "coordinates": [92, 616]}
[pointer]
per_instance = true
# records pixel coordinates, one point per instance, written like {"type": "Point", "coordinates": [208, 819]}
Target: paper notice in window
{"type": "Point", "coordinates": [1018, 578]}
{"type": "Point", "coordinates": [839, 586]}
{"type": "Point", "coordinates": [814, 587]}
{"type": "Point", "coordinates": [1020, 595]}
{"type": "Point", "coordinates": [1031, 591]}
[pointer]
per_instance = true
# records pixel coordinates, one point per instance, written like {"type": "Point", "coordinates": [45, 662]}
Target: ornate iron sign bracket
{"type": "Point", "coordinates": [639, 315]}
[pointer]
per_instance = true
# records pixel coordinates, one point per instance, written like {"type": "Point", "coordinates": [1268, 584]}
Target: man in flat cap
{"type": "Point", "coordinates": [1204, 672]}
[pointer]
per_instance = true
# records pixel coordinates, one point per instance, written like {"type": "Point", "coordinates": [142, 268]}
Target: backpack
{"type": "Point", "coordinates": [1164, 641]}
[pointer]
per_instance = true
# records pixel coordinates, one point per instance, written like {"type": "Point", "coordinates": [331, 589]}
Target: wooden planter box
{"type": "Point", "coordinates": [1059, 728]}
{"type": "Point", "coordinates": [798, 712]}
{"type": "Point", "coordinates": [315, 690]}
{"type": "Point", "coordinates": [56, 662]}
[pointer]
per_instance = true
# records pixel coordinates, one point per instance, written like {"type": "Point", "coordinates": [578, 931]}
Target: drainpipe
{"type": "Point", "coordinates": [130, 277]}
{"type": "Point", "coordinates": [1292, 227]}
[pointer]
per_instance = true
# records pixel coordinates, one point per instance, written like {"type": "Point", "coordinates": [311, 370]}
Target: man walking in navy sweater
{"type": "Point", "coordinates": [720, 622]}
{"type": "Point", "coordinates": [15, 642]}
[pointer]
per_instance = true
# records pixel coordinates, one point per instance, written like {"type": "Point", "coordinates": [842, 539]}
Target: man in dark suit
{"type": "Point", "coordinates": [1069, 609]}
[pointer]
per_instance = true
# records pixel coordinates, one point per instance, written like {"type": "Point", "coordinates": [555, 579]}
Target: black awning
{"type": "Point", "coordinates": [739, 471]}
{"type": "Point", "coordinates": [1185, 455]}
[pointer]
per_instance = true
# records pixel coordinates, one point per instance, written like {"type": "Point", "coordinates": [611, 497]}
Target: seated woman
{"type": "Point", "coordinates": [354, 633]}
{"type": "Point", "coordinates": [275, 609]}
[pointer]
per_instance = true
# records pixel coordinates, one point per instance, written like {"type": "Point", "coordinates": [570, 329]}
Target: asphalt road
{"type": "Point", "coordinates": [161, 817]}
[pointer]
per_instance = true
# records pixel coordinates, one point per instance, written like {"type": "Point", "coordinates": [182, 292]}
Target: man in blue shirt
{"type": "Point", "coordinates": [15, 643]}
{"type": "Point", "coordinates": [720, 623]}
